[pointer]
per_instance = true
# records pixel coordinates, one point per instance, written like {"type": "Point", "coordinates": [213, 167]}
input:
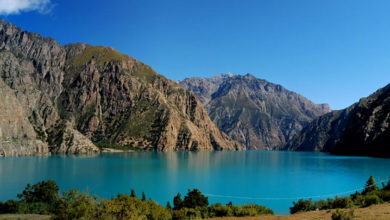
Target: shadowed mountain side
{"type": "Point", "coordinates": [361, 129]}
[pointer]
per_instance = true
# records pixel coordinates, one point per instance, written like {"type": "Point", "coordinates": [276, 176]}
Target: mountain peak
{"type": "Point", "coordinates": [69, 97]}
{"type": "Point", "coordinates": [257, 113]}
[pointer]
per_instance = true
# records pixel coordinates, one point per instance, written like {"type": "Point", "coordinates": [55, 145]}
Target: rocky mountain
{"type": "Point", "coordinates": [361, 129]}
{"type": "Point", "coordinates": [65, 99]}
{"type": "Point", "coordinates": [254, 112]}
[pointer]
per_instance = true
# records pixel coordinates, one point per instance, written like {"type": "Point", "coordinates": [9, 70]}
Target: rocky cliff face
{"type": "Point", "coordinates": [361, 129]}
{"type": "Point", "coordinates": [254, 112]}
{"type": "Point", "coordinates": [72, 96]}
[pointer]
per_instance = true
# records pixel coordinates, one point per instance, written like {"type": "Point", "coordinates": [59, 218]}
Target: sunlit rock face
{"type": "Point", "coordinates": [65, 99]}
{"type": "Point", "coordinates": [256, 113]}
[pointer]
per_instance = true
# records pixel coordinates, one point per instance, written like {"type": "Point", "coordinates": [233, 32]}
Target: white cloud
{"type": "Point", "coordinates": [16, 6]}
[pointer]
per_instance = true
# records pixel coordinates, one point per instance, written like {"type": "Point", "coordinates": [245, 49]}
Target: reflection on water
{"type": "Point", "coordinates": [253, 174]}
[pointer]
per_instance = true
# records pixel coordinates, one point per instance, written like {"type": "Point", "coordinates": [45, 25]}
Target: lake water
{"type": "Point", "coordinates": [270, 178]}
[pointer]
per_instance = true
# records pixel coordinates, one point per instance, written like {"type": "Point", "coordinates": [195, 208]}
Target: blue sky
{"type": "Point", "coordinates": [331, 51]}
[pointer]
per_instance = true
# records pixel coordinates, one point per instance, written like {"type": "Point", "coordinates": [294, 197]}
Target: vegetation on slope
{"type": "Point", "coordinates": [371, 195]}
{"type": "Point", "coordinates": [43, 198]}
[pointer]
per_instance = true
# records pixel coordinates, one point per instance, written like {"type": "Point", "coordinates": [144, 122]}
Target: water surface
{"type": "Point", "coordinates": [270, 178]}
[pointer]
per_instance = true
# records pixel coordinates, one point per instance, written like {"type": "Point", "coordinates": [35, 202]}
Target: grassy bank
{"type": "Point", "coordinates": [375, 212]}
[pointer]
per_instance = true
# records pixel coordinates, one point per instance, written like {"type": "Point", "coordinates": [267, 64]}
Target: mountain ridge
{"type": "Point", "coordinates": [76, 95]}
{"type": "Point", "coordinates": [362, 129]}
{"type": "Point", "coordinates": [255, 112]}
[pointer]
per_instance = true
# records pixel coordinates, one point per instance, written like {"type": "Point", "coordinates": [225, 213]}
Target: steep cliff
{"type": "Point", "coordinates": [361, 129]}
{"type": "Point", "coordinates": [77, 94]}
{"type": "Point", "coordinates": [254, 112]}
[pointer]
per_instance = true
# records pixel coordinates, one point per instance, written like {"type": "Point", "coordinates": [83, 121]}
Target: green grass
{"type": "Point", "coordinates": [100, 54]}
{"type": "Point", "coordinates": [24, 216]}
{"type": "Point", "coordinates": [141, 120]}
{"type": "Point", "coordinates": [145, 72]}
{"type": "Point", "coordinates": [102, 145]}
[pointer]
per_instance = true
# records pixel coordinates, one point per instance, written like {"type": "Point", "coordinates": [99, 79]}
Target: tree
{"type": "Point", "coordinates": [168, 206]}
{"type": "Point", "coordinates": [387, 187]}
{"type": "Point", "coordinates": [370, 185]}
{"type": "Point", "coordinates": [132, 194]}
{"type": "Point", "coordinates": [143, 196]}
{"type": "Point", "coordinates": [45, 191]}
{"type": "Point", "coordinates": [195, 199]}
{"type": "Point", "coordinates": [177, 202]}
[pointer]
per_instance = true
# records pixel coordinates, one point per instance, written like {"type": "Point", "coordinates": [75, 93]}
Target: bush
{"type": "Point", "coordinates": [257, 210]}
{"type": "Point", "coordinates": [384, 195]}
{"type": "Point", "coordinates": [341, 202]}
{"type": "Point", "coordinates": [127, 207]}
{"type": "Point", "coordinates": [45, 191]}
{"type": "Point", "coordinates": [76, 205]}
{"type": "Point", "coordinates": [339, 215]}
{"type": "Point", "coordinates": [34, 207]}
{"type": "Point", "coordinates": [321, 205]}
{"type": "Point", "coordinates": [186, 213]}
{"type": "Point", "coordinates": [10, 206]}
{"type": "Point", "coordinates": [219, 210]}
{"type": "Point", "coordinates": [302, 206]}
{"type": "Point", "coordinates": [371, 199]}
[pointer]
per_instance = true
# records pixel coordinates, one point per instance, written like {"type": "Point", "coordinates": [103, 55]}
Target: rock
{"type": "Point", "coordinates": [254, 112]}
{"type": "Point", "coordinates": [17, 135]}
{"type": "Point", "coordinates": [361, 129]}
{"type": "Point", "coordinates": [76, 95]}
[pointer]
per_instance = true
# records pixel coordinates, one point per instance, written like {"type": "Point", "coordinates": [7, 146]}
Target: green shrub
{"type": "Point", "coordinates": [371, 199]}
{"type": "Point", "coordinates": [321, 205]}
{"type": "Point", "coordinates": [384, 195]}
{"type": "Point", "coordinates": [257, 210]}
{"type": "Point", "coordinates": [302, 206]}
{"type": "Point", "coordinates": [358, 200]}
{"type": "Point", "coordinates": [341, 202]}
{"type": "Point", "coordinates": [10, 206]}
{"type": "Point", "coordinates": [34, 207]}
{"type": "Point", "coordinates": [219, 210]}
{"type": "Point", "coordinates": [127, 207]}
{"type": "Point", "coordinates": [76, 205]}
{"type": "Point", "coordinates": [339, 215]}
{"type": "Point", "coordinates": [45, 191]}
{"type": "Point", "coordinates": [186, 213]}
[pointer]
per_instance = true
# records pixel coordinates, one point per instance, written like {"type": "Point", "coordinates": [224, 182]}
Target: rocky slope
{"type": "Point", "coordinates": [254, 112]}
{"type": "Point", "coordinates": [361, 129]}
{"type": "Point", "coordinates": [61, 99]}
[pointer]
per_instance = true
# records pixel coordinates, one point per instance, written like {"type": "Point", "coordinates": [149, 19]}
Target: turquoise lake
{"type": "Point", "coordinates": [270, 178]}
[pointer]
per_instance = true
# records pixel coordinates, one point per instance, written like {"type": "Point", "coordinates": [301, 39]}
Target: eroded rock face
{"type": "Point", "coordinates": [254, 112]}
{"type": "Point", "coordinates": [75, 95]}
{"type": "Point", "coordinates": [361, 129]}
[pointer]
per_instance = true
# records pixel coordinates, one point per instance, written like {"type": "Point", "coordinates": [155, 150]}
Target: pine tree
{"type": "Point", "coordinates": [143, 196]}
{"type": "Point", "coordinates": [169, 207]}
{"type": "Point", "coordinates": [177, 202]}
{"type": "Point", "coordinates": [370, 185]}
{"type": "Point", "coordinates": [387, 187]}
{"type": "Point", "coordinates": [195, 199]}
{"type": "Point", "coordinates": [133, 194]}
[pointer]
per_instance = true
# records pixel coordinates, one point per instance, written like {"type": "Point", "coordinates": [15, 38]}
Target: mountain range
{"type": "Point", "coordinates": [362, 129]}
{"type": "Point", "coordinates": [256, 113]}
{"type": "Point", "coordinates": [78, 98]}
{"type": "Point", "coordinates": [68, 99]}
